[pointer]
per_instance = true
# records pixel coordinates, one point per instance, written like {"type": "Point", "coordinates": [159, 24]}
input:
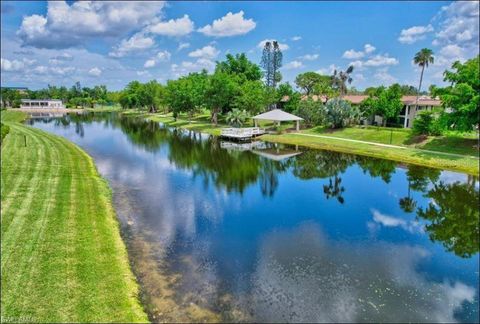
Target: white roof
{"type": "Point", "coordinates": [277, 115]}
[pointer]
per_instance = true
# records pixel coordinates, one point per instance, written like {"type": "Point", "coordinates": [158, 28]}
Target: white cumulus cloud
{"type": "Point", "coordinates": [459, 24]}
{"type": "Point", "coordinates": [15, 65]}
{"type": "Point", "coordinates": [161, 56]}
{"type": "Point", "coordinates": [229, 25]}
{"type": "Point", "coordinates": [95, 72]}
{"type": "Point", "coordinates": [375, 61]}
{"type": "Point", "coordinates": [329, 70]}
{"type": "Point", "coordinates": [174, 27]}
{"type": "Point", "coordinates": [187, 66]}
{"type": "Point", "coordinates": [207, 52]}
{"type": "Point", "coordinates": [414, 34]}
{"type": "Point", "coordinates": [137, 42]}
{"type": "Point", "coordinates": [149, 63]}
{"type": "Point", "coordinates": [352, 54]}
{"type": "Point", "coordinates": [293, 65]}
{"type": "Point", "coordinates": [182, 46]}
{"type": "Point", "coordinates": [66, 25]}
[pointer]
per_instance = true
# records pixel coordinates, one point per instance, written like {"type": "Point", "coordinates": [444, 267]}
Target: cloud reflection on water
{"type": "Point", "coordinates": [302, 276]}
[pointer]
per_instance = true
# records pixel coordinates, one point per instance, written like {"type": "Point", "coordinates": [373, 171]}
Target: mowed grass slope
{"type": "Point", "coordinates": [63, 259]}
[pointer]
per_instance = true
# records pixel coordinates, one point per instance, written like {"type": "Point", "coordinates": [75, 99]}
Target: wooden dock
{"type": "Point", "coordinates": [241, 134]}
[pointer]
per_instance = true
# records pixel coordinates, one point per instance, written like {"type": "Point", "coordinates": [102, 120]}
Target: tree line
{"type": "Point", "coordinates": [239, 88]}
{"type": "Point", "coordinates": [75, 96]}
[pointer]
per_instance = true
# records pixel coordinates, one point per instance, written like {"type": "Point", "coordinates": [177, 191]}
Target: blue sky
{"type": "Point", "coordinates": [113, 43]}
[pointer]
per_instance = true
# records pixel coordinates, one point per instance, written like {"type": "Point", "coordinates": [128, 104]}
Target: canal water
{"type": "Point", "coordinates": [223, 232]}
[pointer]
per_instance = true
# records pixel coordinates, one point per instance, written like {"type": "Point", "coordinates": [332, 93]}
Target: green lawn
{"type": "Point", "coordinates": [452, 143]}
{"type": "Point", "coordinates": [199, 123]}
{"type": "Point", "coordinates": [63, 259]}
{"type": "Point", "coordinates": [466, 164]}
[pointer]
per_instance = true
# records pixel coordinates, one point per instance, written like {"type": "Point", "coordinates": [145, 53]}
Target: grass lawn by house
{"type": "Point", "coordinates": [63, 259]}
{"type": "Point", "coordinates": [451, 143]}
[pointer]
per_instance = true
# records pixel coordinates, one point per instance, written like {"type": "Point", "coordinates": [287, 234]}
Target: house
{"type": "Point", "coordinates": [410, 107]}
{"type": "Point", "coordinates": [42, 104]}
{"type": "Point", "coordinates": [408, 113]}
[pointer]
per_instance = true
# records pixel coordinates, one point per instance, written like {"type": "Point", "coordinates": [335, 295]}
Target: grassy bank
{"type": "Point", "coordinates": [199, 123]}
{"type": "Point", "coordinates": [412, 151]}
{"type": "Point", "coordinates": [63, 259]}
{"type": "Point", "coordinates": [451, 143]}
{"type": "Point", "coordinates": [438, 160]}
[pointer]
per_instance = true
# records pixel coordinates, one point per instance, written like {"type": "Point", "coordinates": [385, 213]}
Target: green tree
{"type": "Point", "coordinates": [408, 90]}
{"type": "Point", "coordinates": [422, 59]}
{"type": "Point", "coordinates": [462, 96]}
{"type": "Point", "coordinates": [271, 63]}
{"type": "Point", "coordinates": [386, 102]}
{"type": "Point", "coordinates": [307, 81]}
{"type": "Point", "coordinates": [425, 124]}
{"type": "Point", "coordinates": [220, 93]}
{"type": "Point", "coordinates": [454, 217]}
{"type": "Point", "coordinates": [185, 94]}
{"type": "Point", "coordinates": [287, 98]}
{"type": "Point", "coordinates": [130, 96]}
{"type": "Point", "coordinates": [252, 97]}
{"type": "Point", "coordinates": [241, 66]}
{"type": "Point", "coordinates": [340, 80]}
{"type": "Point", "coordinates": [311, 111]}
{"type": "Point", "coordinates": [10, 97]}
{"type": "Point", "coordinates": [151, 94]}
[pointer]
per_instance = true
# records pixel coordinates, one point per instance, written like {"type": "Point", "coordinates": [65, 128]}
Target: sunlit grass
{"type": "Point", "coordinates": [63, 259]}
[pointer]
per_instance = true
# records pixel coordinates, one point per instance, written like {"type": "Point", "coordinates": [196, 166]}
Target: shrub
{"type": "Point", "coordinates": [311, 111]}
{"type": "Point", "coordinates": [426, 124]}
{"type": "Point", "coordinates": [4, 130]}
{"type": "Point", "coordinates": [236, 117]}
{"type": "Point", "coordinates": [339, 113]}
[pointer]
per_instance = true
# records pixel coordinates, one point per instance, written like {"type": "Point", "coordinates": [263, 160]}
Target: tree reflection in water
{"type": "Point", "coordinates": [453, 217]}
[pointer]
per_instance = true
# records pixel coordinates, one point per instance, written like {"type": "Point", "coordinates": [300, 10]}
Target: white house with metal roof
{"type": "Point", "coordinates": [41, 103]}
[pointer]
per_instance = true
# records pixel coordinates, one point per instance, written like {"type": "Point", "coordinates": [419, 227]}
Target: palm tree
{"type": "Point", "coordinates": [422, 58]}
{"type": "Point", "coordinates": [341, 78]}
{"type": "Point", "coordinates": [408, 204]}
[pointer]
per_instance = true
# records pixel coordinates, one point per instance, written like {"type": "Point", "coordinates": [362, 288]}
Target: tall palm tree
{"type": "Point", "coordinates": [422, 58]}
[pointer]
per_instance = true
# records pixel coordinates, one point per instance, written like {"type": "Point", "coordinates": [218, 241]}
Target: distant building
{"type": "Point", "coordinates": [42, 104]}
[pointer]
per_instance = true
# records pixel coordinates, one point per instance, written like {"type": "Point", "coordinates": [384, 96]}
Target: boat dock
{"type": "Point", "coordinates": [241, 134]}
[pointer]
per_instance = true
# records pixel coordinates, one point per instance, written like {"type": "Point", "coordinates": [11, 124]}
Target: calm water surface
{"type": "Point", "coordinates": [279, 233]}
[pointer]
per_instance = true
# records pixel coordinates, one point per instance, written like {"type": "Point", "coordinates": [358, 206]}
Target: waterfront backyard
{"type": "Point", "coordinates": [216, 234]}
{"type": "Point", "coordinates": [240, 162]}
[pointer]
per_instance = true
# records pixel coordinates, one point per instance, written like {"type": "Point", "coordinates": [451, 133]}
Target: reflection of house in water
{"type": "Point", "coordinates": [272, 151]}
{"type": "Point", "coordinates": [239, 146]}
{"type": "Point", "coordinates": [278, 154]}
